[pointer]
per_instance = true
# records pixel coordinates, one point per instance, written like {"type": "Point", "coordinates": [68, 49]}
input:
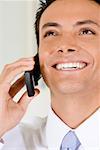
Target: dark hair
{"type": "Point", "coordinates": [43, 6]}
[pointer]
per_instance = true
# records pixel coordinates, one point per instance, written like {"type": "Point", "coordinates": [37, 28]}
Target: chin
{"type": "Point", "coordinates": [68, 89]}
{"type": "Point", "coordinates": [65, 86]}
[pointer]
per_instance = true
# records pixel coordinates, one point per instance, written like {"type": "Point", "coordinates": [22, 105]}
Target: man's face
{"type": "Point", "coordinates": [69, 46]}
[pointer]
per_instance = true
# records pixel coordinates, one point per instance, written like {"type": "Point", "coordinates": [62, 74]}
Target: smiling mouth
{"type": "Point", "coordinates": [71, 66]}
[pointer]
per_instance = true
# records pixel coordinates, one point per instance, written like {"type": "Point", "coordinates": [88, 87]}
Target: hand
{"type": "Point", "coordinates": [11, 112]}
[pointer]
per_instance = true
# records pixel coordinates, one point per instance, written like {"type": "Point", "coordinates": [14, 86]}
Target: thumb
{"type": "Point", "coordinates": [25, 99]}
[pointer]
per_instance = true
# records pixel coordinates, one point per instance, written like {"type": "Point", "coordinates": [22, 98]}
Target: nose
{"type": "Point", "coordinates": [67, 44]}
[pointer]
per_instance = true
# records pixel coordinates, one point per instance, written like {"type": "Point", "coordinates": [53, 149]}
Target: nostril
{"type": "Point", "coordinates": [70, 50]}
{"type": "Point", "coordinates": [61, 51]}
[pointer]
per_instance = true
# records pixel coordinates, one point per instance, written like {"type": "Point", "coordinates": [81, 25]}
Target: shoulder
{"type": "Point", "coordinates": [35, 124]}
{"type": "Point", "coordinates": [26, 134]}
{"type": "Point", "coordinates": [34, 132]}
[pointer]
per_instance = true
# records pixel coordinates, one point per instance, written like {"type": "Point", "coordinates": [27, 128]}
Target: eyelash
{"type": "Point", "coordinates": [82, 32]}
{"type": "Point", "coordinates": [87, 32]}
{"type": "Point", "coordinates": [48, 34]}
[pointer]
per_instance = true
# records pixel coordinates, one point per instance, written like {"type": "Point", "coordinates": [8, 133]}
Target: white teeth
{"type": "Point", "coordinates": [70, 66]}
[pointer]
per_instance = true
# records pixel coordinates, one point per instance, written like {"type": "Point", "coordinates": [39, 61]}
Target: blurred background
{"type": "Point", "coordinates": [17, 39]}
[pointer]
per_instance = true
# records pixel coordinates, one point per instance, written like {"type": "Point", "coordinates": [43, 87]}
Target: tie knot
{"type": "Point", "coordinates": [70, 141]}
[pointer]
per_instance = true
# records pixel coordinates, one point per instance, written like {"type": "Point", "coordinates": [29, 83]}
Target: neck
{"type": "Point", "coordinates": [74, 109]}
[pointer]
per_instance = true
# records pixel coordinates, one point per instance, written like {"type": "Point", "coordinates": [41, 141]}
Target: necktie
{"type": "Point", "coordinates": [70, 142]}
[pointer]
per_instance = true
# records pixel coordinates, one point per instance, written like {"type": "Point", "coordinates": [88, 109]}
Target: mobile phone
{"type": "Point", "coordinates": [32, 77]}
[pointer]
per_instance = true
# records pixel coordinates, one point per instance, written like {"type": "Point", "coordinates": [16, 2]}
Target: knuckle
{"type": "Point", "coordinates": [20, 65]}
{"type": "Point", "coordinates": [22, 59]}
{"type": "Point", "coordinates": [18, 70]}
{"type": "Point", "coordinates": [6, 66]}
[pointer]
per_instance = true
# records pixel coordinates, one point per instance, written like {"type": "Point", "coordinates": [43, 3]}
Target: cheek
{"type": "Point", "coordinates": [48, 46]}
{"type": "Point", "coordinates": [43, 53]}
{"type": "Point", "coordinates": [92, 46]}
{"type": "Point", "coordinates": [43, 57]}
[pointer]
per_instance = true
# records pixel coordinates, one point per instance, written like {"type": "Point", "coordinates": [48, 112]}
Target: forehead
{"type": "Point", "coordinates": [71, 10]}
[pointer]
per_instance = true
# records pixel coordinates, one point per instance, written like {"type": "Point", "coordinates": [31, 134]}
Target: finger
{"type": "Point", "coordinates": [10, 76]}
{"type": "Point", "coordinates": [20, 62]}
{"type": "Point", "coordinates": [6, 82]}
{"type": "Point", "coordinates": [8, 69]}
{"type": "Point", "coordinates": [17, 86]}
{"type": "Point", "coordinates": [25, 100]}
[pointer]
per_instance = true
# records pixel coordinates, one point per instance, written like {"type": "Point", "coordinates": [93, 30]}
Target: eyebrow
{"type": "Point", "coordinates": [79, 23]}
{"type": "Point", "coordinates": [86, 22]}
{"type": "Point", "coordinates": [51, 24]}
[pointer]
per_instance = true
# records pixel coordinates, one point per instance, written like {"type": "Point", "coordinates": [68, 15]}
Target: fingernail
{"type": "Point", "coordinates": [37, 91]}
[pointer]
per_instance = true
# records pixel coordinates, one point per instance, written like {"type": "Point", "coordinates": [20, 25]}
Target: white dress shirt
{"type": "Point", "coordinates": [47, 134]}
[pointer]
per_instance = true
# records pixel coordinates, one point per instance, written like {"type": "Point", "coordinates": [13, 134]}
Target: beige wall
{"type": "Point", "coordinates": [17, 40]}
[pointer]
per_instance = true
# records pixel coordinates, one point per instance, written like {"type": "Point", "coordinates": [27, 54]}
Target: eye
{"type": "Point", "coordinates": [87, 32]}
{"type": "Point", "coordinates": [50, 33]}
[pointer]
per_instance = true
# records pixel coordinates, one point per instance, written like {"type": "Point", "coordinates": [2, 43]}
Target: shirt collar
{"type": "Point", "coordinates": [56, 129]}
{"type": "Point", "coordinates": [89, 132]}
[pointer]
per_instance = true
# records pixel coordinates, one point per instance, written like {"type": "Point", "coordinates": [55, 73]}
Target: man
{"type": "Point", "coordinates": [68, 37]}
